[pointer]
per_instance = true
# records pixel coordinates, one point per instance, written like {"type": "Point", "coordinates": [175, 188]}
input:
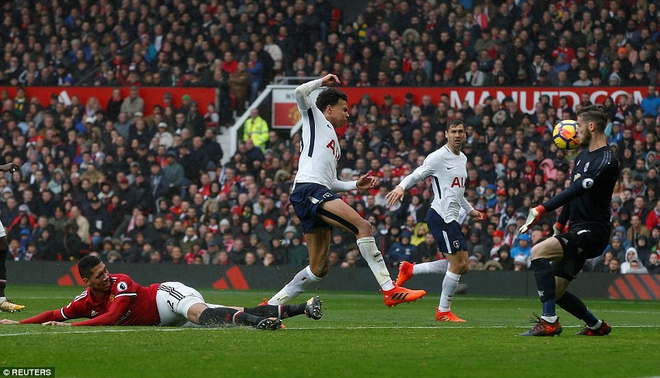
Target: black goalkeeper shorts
{"type": "Point", "coordinates": [579, 245]}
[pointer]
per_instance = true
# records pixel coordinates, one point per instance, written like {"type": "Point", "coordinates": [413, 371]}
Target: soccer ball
{"type": "Point", "coordinates": [565, 135]}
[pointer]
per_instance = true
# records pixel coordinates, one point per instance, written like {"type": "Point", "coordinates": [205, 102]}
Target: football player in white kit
{"type": "Point", "coordinates": [6, 304]}
{"type": "Point", "coordinates": [447, 169]}
{"type": "Point", "coordinates": [316, 203]}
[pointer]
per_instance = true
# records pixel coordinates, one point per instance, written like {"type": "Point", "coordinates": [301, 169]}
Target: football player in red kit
{"type": "Point", "coordinates": [115, 299]}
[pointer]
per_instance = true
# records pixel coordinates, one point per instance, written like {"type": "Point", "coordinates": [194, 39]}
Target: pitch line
{"type": "Point", "coordinates": [357, 328]}
{"type": "Point", "coordinates": [114, 330]}
{"type": "Point", "coordinates": [448, 327]}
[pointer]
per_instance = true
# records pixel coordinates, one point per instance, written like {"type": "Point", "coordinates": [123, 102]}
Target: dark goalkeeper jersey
{"type": "Point", "coordinates": [587, 200]}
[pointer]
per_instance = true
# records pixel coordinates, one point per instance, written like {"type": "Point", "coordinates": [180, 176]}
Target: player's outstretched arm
{"type": "Point", "coordinates": [367, 182]}
{"type": "Point", "coordinates": [303, 91]}
{"type": "Point", "coordinates": [51, 315]}
{"type": "Point", "coordinates": [9, 167]}
{"type": "Point", "coordinates": [534, 215]}
{"type": "Point", "coordinates": [395, 195]}
{"type": "Point", "coordinates": [110, 318]}
{"type": "Point", "coordinates": [329, 80]}
{"type": "Point", "coordinates": [476, 215]}
{"type": "Point", "coordinates": [420, 173]}
{"type": "Point", "coordinates": [363, 183]}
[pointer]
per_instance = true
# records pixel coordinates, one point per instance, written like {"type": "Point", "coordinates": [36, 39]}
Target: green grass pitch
{"type": "Point", "coordinates": [357, 337]}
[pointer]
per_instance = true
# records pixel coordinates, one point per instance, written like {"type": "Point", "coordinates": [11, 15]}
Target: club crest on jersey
{"type": "Point", "coordinates": [587, 183]}
{"type": "Point", "coordinates": [122, 286]}
{"type": "Point", "coordinates": [458, 181]}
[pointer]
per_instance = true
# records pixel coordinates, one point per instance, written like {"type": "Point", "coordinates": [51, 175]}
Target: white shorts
{"type": "Point", "coordinates": [2, 231]}
{"type": "Point", "coordinates": [173, 300]}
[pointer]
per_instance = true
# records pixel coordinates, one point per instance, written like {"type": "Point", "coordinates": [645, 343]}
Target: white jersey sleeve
{"type": "Point", "coordinates": [319, 145]}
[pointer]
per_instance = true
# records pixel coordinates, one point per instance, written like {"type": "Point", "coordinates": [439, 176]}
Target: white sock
{"type": "Point", "coordinates": [302, 280]}
{"type": "Point", "coordinates": [549, 319]}
{"type": "Point", "coordinates": [374, 258]}
{"type": "Point", "coordinates": [2, 299]}
{"type": "Point", "coordinates": [449, 285]}
{"type": "Point", "coordinates": [433, 267]}
{"type": "Point", "coordinates": [596, 326]}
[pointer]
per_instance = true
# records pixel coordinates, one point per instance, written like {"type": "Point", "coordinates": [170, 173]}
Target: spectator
{"type": "Point", "coordinates": [211, 117]}
{"type": "Point", "coordinates": [474, 263]}
{"type": "Point", "coordinates": [523, 248]}
{"type": "Point", "coordinates": [157, 181]}
{"type": "Point", "coordinates": [427, 250]}
{"type": "Point", "coordinates": [240, 86]}
{"type": "Point", "coordinates": [256, 70]}
{"type": "Point", "coordinates": [492, 265]}
{"type": "Point", "coordinates": [401, 251]}
{"type": "Point", "coordinates": [636, 268]}
{"type": "Point", "coordinates": [212, 147]}
{"type": "Point", "coordinates": [113, 108]}
{"type": "Point", "coordinates": [164, 137]}
{"type": "Point", "coordinates": [70, 243]}
{"type": "Point", "coordinates": [653, 265]}
{"type": "Point", "coordinates": [602, 263]}
{"type": "Point", "coordinates": [614, 266]}
{"type": "Point", "coordinates": [520, 263]}
{"type": "Point", "coordinates": [195, 120]}
{"type": "Point", "coordinates": [133, 104]}
{"type": "Point", "coordinates": [256, 129]}
{"type": "Point", "coordinates": [631, 254]}
{"type": "Point", "coordinates": [173, 171]}
{"type": "Point", "coordinates": [505, 259]}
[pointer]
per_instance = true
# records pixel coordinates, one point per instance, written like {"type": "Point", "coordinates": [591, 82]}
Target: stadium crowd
{"type": "Point", "coordinates": [147, 185]}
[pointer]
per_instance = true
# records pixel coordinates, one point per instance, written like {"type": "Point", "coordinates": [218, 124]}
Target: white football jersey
{"type": "Point", "coordinates": [448, 176]}
{"type": "Point", "coordinates": [319, 145]}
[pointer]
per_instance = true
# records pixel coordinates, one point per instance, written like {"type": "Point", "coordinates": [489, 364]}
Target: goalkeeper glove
{"type": "Point", "coordinates": [534, 215]}
{"type": "Point", "coordinates": [557, 229]}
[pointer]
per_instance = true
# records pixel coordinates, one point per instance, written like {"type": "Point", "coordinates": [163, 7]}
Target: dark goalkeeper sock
{"type": "Point", "coordinates": [574, 306]}
{"type": "Point", "coordinates": [225, 315]}
{"type": "Point", "coordinates": [277, 311]}
{"type": "Point", "coordinates": [545, 283]}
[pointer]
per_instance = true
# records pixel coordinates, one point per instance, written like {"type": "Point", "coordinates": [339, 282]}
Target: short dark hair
{"type": "Point", "coordinates": [330, 96]}
{"type": "Point", "coordinates": [455, 122]}
{"type": "Point", "coordinates": [596, 114]}
{"type": "Point", "coordinates": [87, 264]}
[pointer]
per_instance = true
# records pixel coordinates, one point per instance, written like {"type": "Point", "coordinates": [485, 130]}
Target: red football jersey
{"type": "Point", "coordinates": [131, 304]}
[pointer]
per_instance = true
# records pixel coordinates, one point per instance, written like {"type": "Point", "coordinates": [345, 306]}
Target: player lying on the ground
{"type": "Point", "coordinates": [115, 299]}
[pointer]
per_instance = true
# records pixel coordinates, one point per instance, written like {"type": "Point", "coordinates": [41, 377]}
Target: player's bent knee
{"type": "Point", "coordinates": [536, 253]}
{"type": "Point", "coordinates": [462, 268]}
{"type": "Point", "coordinates": [364, 228]}
{"type": "Point", "coordinates": [459, 267]}
{"type": "Point", "coordinates": [319, 269]}
{"type": "Point", "coordinates": [195, 311]}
